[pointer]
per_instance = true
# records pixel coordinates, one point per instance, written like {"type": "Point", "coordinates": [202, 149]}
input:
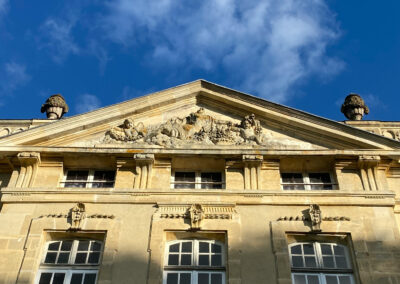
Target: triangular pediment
{"type": "Point", "coordinates": [203, 115]}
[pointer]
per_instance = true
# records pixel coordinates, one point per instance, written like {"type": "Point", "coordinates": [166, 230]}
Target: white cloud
{"type": "Point", "coordinates": [55, 35]}
{"type": "Point", "coordinates": [87, 102]}
{"type": "Point", "coordinates": [266, 47]}
{"type": "Point", "coordinates": [13, 76]}
{"type": "Point", "coordinates": [3, 7]}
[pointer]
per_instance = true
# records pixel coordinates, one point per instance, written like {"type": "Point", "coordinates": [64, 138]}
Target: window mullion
{"type": "Point", "coordinates": [195, 254]}
{"type": "Point", "coordinates": [90, 179]}
{"type": "Point", "coordinates": [318, 252]}
{"type": "Point", "coordinates": [197, 180]}
{"type": "Point", "coordinates": [306, 181]}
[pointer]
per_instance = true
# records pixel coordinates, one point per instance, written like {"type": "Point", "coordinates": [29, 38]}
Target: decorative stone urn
{"type": "Point", "coordinates": [55, 107]}
{"type": "Point", "coordinates": [354, 107]}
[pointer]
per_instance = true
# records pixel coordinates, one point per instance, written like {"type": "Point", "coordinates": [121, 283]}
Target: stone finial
{"type": "Point", "coordinates": [354, 107]}
{"type": "Point", "coordinates": [55, 107]}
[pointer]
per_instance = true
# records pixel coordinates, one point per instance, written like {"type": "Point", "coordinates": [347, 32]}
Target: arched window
{"type": "Point", "coordinates": [70, 262]}
{"type": "Point", "coordinates": [194, 262]}
{"type": "Point", "coordinates": [320, 263]}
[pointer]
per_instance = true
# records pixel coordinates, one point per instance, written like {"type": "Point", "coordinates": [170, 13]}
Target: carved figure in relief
{"type": "Point", "coordinates": [315, 217]}
{"type": "Point", "coordinates": [77, 215]}
{"type": "Point", "coordinates": [196, 214]}
{"type": "Point", "coordinates": [128, 131]}
{"type": "Point", "coordinates": [200, 128]}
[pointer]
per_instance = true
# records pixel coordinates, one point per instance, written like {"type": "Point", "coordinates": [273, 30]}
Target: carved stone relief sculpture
{"type": "Point", "coordinates": [199, 128]}
{"type": "Point", "coordinates": [196, 214]}
{"type": "Point", "coordinates": [315, 217]}
{"type": "Point", "coordinates": [77, 215]}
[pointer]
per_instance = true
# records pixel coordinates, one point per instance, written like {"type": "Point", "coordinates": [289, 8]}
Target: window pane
{"type": "Point", "coordinates": [312, 279]}
{"type": "Point", "coordinates": [216, 260]}
{"type": "Point", "coordinates": [104, 176]}
{"type": "Point", "coordinates": [299, 279]}
{"type": "Point", "coordinates": [45, 278]}
{"type": "Point", "coordinates": [216, 278]}
{"type": "Point", "coordinates": [80, 258]}
{"type": "Point", "coordinates": [328, 262]}
{"type": "Point", "coordinates": [173, 259]}
{"type": "Point", "coordinates": [187, 247]}
{"type": "Point", "coordinates": [345, 279]}
{"type": "Point", "coordinates": [185, 278]}
{"type": "Point", "coordinates": [90, 278]}
{"type": "Point", "coordinates": [172, 278]}
{"type": "Point", "coordinates": [174, 248]}
{"type": "Point", "coordinates": [331, 279]}
{"type": "Point", "coordinates": [319, 177]}
{"type": "Point", "coordinates": [203, 278]}
{"type": "Point", "coordinates": [76, 278]}
{"type": "Point", "coordinates": [339, 250]}
{"type": "Point", "coordinates": [310, 262]}
{"type": "Point", "coordinates": [186, 259]}
{"type": "Point", "coordinates": [94, 257]}
{"type": "Point", "coordinates": [292, 177]}
{"type": "Point", "coordinates": [204, 247]}
{"type": "Point", "coordinates": [185, 176]}
{"type": "Point", "coordinates": [63, 257]}
{"type": "Point", "coordinates": [77, 175]}
{"type": "Point", "coordinates": [213, 180]}
{"type": "Point", "coordinates": [326, 249]}
{"type": "Point", "coordinates": [58, 278]}
{"type": "Point", "coordinates": [308, 249]}
{"type": "Point", "coordinates": [54, 246]}
{"type": "Point", "coordinates": [83, 245]}
{"type": "Point", "coordinates": [203, 260]}
{"type": "Point", "coordinates": [295, 249]}
{"type": "Point", "coordinates": [341, 262]}
{"type": "Point", "coordinates": [215, 248]}
{"type": "Point", "coordinates": [66, 245]}
{"type": "Point", "coordinates": [95, 246]}
{"type": "Point", "coordinates": [297, 261]}
{"type": "Point", "coordinates": [50, 257]}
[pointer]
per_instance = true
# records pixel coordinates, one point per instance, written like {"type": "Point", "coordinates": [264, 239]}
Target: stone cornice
{"type": "Point", "coordinates": [154, 196]}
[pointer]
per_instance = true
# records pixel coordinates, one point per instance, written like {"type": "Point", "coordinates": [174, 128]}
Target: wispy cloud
{"type": "Point", "coordinates": [14, 76]}
{"type": "Point", "coordinates": [55, 35]}
{"type": "Point", "coordinates": [3, 7]}
{"type": "Point", "coordinates": [266, 47]}
{"type": "Point", "coordinates": [87, 102]}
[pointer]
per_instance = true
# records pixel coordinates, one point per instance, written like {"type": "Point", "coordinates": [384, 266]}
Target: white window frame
{"type": "Point", "coordinates": [197, 180]}
{"type": "Point", "coordinates": [90, 179]}
{"type": "Point", "coordinates": [320, 270]}
{"type": "Point", "coordinates": [70, 267]}
{"type": "Point", "coordinates": [306, 181]}
{"type": "Point", "coordinates": [68, 273]}
{"type": "Point", "coordinates": [194, 269]}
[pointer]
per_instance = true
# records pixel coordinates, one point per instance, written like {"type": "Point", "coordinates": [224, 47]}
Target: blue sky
{"type": "Point", "coordinates": [307, 54]}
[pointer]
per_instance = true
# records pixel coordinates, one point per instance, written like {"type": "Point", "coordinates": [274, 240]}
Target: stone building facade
{"type": "Point", "coordinates": [199, 184]}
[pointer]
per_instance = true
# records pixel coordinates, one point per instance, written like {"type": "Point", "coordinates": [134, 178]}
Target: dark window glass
{"type": "Point", "coordinates": [54, 246]}
{"type": "Point", "coordinates": [323, 180]}
{"type": "Point", "coordinates": [80, 258]}
{"type": "Point", "coordinates": [103, 179]}
{"type": "Point", "coordinates": [83, 245]}
{"type": "Point", "coordinates": [63, 257]}
{"type": "Point", "coordinates": [204, 247]}
{"type": "Point", "coordinates": [45, 278]}
{"type": "Point", "coordinates": [216, 260]}
{"type": "Point", "coordinates": [185, 278]}
{"type": "Point", "coordinates": [216, 248]}
{"type": "Point", "coordinates": [76, 278]}
{"type": "Point", "coordinates": [216, 278]}
{"type": "Point", "coordinates": [51, 257]}
{"type": "Point", "coordinates": [94, 257]}
{"type": "Point", "coordinates": [174, 248]}
{"type": "Point", "coordinates": [203, 278]}
{"type": "Point", "coordinates": [173, 259]}
{"type": "Point", "coordinates": [185, 180]}
{"type": "Point", "coordinates": [211, 180]}
{"type": "Point", "coordinates": [76, 178]}
{"type": "Point", "coordinates": [90, 278]}
{"type": "Point", "coordinates": [186, 259]}
{"type": "Point", "coordinates": [187, 247]}
{"type": "Point", "coordinates": [204, 260]}
{"type": "Point", "coordinates": [292, 181]}
{"type": "Point", "coordinates": [95, 246]}
{"type": "Point", "coordinates": [66, 245]}
{"type": "Point", "coordinates": [58, 278]}
{"type": "Point", "coordinates": [172, 278]}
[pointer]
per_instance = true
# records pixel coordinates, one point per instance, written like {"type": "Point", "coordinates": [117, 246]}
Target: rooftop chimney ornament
{"type": "Point", "coordinates": [55, 107]}
{"type": "Point", "coordinates": [354, 107]}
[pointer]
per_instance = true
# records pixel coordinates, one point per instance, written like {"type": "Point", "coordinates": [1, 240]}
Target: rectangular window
{"type": "Point", "coordinates": [194, 262]}
{"type": "Point", "coordinates": [320, 263]}
{"type": "Point", "coordinates": [70, 262]}
{"type": "Point", "coordinates": [307, 181]}
{"type": "Point", "coordinates": [197, 180]}
{"type": "Point", "coordinates": [88, 179]}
